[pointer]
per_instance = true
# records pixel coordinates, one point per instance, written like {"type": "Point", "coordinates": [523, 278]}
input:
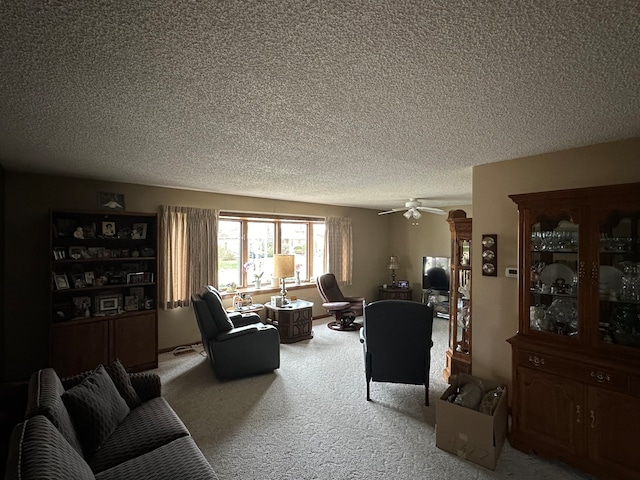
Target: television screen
{"type": "Point", "coordinates": [431, 262]}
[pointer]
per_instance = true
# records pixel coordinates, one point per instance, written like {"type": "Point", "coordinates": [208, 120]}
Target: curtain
{"type": "Point", "coordinates": [339, 248]}
{"type": "Point", "coordinates": [189, 253]}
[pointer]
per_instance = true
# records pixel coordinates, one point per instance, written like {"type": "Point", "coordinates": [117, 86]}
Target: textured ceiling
{"type": "Point", "coordinates": [346, 102]}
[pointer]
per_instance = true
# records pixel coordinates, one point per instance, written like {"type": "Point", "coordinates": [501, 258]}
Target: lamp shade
{"type": "Point", "coordinates": [284, 266]}
{"type": "Point", "coordinates": [393, 263]}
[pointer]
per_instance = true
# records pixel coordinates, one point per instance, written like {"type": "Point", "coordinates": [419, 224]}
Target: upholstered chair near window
{"type": "Point", "coordinates": [237, 345]}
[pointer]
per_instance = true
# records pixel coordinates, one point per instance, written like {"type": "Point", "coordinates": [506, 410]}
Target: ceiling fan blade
{"type": "Point", "coordinates": [437, 211]}
{"type": "Point", "coordinates": [392, 211]}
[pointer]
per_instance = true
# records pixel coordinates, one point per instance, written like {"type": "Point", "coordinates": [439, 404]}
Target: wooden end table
{"type": "Point", "coordinates": [292, 320]}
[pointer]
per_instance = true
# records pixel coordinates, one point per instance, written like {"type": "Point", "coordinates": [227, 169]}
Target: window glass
{"type": "Point", "coordinates": [260, 242]}
{"type": "Point", "coordinates": [293, 241]}
{"type": "Point", "coordinates": [229, 252]}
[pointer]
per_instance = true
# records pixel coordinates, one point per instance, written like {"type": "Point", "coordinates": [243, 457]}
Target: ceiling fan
{"type": "Point", "coordinates": [413, 208]}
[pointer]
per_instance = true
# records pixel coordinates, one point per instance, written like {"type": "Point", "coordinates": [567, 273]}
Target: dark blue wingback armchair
{"type": "Point", "coordinates": [396, 338]}
{"type": "Point", "coordinates": [237, 345]}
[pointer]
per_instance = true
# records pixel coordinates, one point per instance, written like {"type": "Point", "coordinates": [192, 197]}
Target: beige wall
{"type": "Point", "coordinates": [27, 254]}
{"type": "Point", "coordinates": [495, 298]}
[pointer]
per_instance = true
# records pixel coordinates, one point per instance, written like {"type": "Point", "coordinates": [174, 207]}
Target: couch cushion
{"type": "Point", "coordinates": [151, 425]}
{"type": "Point", "coordinates": [45, 391]}
{"type": "Point", "coordinates": [219, 314]}
{"type": "Point", "coordinates": [38, 450]}
{"type": "Point", "coordinates": [120, 378]}
{"type": "Point", "coordinates": [96, 407]}
{"type": "Point", "coordinates": [178, 459]}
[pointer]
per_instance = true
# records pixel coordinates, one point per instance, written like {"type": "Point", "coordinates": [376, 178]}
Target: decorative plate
{"type": "Point", "coordinates": [551, 273]}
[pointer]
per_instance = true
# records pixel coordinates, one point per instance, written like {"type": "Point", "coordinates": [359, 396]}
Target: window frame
{"type": "Point", "coordinates": [277, 220]}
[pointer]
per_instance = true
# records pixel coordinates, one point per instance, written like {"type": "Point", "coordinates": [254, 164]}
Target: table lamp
{"type": "Point", "coordinates": [393, 264]}
{"type": "Point", "coordinates": [283, 267]}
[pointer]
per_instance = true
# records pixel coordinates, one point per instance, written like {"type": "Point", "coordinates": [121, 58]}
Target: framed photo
{"type": "Point", "coordinates": [81, 307]}
{"type": "Point", "coordinates": [138, 294]}
{"type": "Point", "coordinates": [130, 303]}
{"type": "Point", "coordinates": [77, 252]}
{"type": "Point", "coordinates": [78, 280]}
{"type": "Point", "coordinates": [61, 281]}
{"type": "Point", "coordinates": [109, 229]}
{"type": "Point", "coordinates": [95, 252]}
{"type": "Point", "coordinates": [89, 230]}
{"type": "Point", "coordinates": [139, 231]}
{"type": "Point", "coordinates": [110, 201]}
{"type": "Point", "coordinates": [108, 304]}
{"type": "Point", "coordinates": [137, 277]}
{"type": "Point", "coordinates": [403, 283]}
{"type": "Point", "coordinates": [89, 278]}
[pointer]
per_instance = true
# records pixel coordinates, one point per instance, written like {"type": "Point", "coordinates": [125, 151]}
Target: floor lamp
{"type": "Point", "coordinates": [283, 267]}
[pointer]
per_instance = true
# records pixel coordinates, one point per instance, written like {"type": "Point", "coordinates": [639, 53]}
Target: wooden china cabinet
{"type": "Point", "coordinates": [104, 272]}
{"type": "Point", "coordinates": [576, 356]}
{"type": "Point", "coordinates": [459, 347]}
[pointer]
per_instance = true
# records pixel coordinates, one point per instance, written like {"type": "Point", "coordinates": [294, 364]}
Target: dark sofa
{"type": "Point", "coordinates": [102, 425]}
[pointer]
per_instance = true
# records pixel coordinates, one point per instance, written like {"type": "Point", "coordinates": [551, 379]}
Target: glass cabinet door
{"type": "Point", "coordinates": [552, 261]}
{"type": "Point", "coordinates": [618, 285]}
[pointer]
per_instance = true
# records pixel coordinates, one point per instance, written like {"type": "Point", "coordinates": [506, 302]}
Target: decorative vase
{"type": "Point", "coordinates": [257, 282]}
{"type": "Point", "coordinates": [297, 278]}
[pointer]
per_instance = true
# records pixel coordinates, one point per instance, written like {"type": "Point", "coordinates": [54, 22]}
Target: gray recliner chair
{"type": "Point", "coordinates": [396, 338]}
{"type": "Point", "coordinates": [237, 344]}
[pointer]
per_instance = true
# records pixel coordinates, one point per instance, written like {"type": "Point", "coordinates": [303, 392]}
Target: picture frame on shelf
{"type": "Point", "coordinates": [403, 283]}
{"type": "Point", "coordinates": [130, 303]}
{"type": "Point", "coordinates": [77, 253]}
{"type": "Point", "coordinates": [89, 230]}
{"type": "Point", "coordinates": [108, 304]}
{"type": "Point", "coordinates": [139, 231]}
{"type": "Point", "coordinates": [135, 277]}
{"type": "Point", "coordinates": [89, 278]}
{"type": "Point", "coordinates": [138, 294]}
{"type": "Point", "coordinates": [78, 280]}
{"type": "Point", "coordinates": [61, 281]}
{"type": "Point", "coordinates": [95, 252]}
{"type": "Point", "coordinates": [109, 229]}
{"type": "Point", "coordinates": [81, 307]}
{"type": "Point", "coordinates": [110, 201]}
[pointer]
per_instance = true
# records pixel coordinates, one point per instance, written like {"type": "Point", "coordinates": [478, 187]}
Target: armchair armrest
{"type": "Point", "coordinates": [237, 332]}
{"type": "Point", "coordinates": [147, 385]}
{"type": "Point", "coordinates": [244, 319]}
{"type": "Point", "coordinates": [363, 339]}
{"type": "Point", "coordinates": [354, 299]}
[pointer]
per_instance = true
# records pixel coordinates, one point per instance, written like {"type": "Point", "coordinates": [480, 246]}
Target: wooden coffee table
{"type": "Point", "coordinates": [294, 320]}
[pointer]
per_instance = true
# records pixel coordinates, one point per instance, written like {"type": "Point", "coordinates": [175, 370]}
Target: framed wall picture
{"type": "Point", "coordinates": [110, 201]}
{"type": "Point", "coordinates": [139, 231]}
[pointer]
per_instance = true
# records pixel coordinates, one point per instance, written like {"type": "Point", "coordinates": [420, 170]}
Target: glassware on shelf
{"type": "Point", "coordinates": [630, 282]}
{"type": "Point", "coordinates": [562, 316]}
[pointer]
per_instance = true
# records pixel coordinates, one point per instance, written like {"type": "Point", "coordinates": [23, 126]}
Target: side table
{"type": "Point", "coordinates": [393, 293]}
{"type": "Point", "coordinates": [292, 320]}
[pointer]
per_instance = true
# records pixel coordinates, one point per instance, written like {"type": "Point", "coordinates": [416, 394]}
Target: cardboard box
{"type": "Point", "coordinates": [467, 433]}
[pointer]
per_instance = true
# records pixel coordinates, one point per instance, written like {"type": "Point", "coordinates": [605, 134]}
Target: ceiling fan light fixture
{"type": "Point", "coordinates": [416, 214]}
{"type": "Point", "coordinates": [407, 214]}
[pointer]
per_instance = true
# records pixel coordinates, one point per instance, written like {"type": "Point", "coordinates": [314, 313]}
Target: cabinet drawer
{"type": "Point", "coordinates": [588, 374]}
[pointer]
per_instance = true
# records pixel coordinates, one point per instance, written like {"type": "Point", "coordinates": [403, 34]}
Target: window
{"type": "Point", "coordinates": [247, 244]}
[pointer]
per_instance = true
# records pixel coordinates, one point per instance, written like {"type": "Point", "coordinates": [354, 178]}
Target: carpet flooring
{"type": "Point", "coordinates": [310, 419]}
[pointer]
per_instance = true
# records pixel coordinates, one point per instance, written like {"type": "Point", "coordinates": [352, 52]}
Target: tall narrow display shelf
{"type": "Point", "coordinates": [576, 357]}
{"type": "Point", "coordinates": [104, 271]}
{"type": "Point", "coordinates": [459, 348]}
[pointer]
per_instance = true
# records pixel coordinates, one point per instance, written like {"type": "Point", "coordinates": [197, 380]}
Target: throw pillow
{"type": "Point", "coordinates": [122, 381]}
{"type": "Point", "coordinates": [120, 377]}
{"type": "Point", "coordinates": [96, 408]}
